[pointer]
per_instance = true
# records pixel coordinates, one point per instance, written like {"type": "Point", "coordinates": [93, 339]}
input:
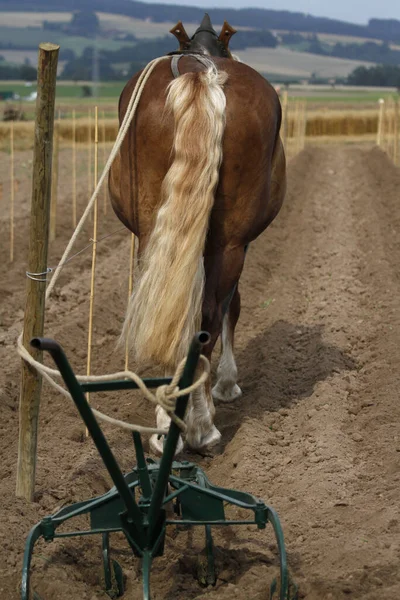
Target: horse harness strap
{"type": "Point", "coordinates": [175, 60]}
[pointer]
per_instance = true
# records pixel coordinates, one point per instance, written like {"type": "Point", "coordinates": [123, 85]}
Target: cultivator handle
{"type": "Point", "coordinates": [95, 431]}
{"type": "Point", "coordinates": [144, 536]}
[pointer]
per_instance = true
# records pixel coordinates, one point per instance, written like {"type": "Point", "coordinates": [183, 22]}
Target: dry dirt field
{"type": "Point", "coordinates": [316, 433]}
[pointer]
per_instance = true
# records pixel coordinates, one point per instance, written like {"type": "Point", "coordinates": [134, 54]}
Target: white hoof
{"type": "Point", "coordinates": [157, 445]}
{"type": "Point", "coordinates": [224, 394]}
{"type": "Point", "coordinates": [212, 438]}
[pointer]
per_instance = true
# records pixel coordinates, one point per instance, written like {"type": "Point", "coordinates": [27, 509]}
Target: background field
{"type": "Point", "coordinates": [288, 63]}
{"type": "Point", "coordinates": [279, 63]}
{"type": "Point", "coordinates": [320, 99]}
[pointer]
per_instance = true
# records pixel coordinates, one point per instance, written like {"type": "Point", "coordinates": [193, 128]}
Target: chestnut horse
{"type": "Point", "coordinates": [200, 174]}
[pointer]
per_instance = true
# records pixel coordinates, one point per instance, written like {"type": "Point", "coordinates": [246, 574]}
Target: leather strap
{"type": "Point", "coordinates": [175, 60]}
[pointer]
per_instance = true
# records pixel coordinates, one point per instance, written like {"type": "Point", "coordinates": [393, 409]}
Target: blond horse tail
{"type": "Point", "coordinates": [165, 308]}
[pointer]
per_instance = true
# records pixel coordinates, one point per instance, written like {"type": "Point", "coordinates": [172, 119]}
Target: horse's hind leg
{"type": "Point", "coordinates": [156, 441]}
{"type": "Point", "coordinates": [226, 388]}
{"type": "Point", "coordinates": [222, 275]}
{"type": "Point", "coordinates": [163, 422]}
{"type": "Point", "coordinates": [201, 431]}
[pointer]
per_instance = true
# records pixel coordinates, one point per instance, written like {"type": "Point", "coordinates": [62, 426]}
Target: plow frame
{"type": "Point", "coordinates": [136, 505]}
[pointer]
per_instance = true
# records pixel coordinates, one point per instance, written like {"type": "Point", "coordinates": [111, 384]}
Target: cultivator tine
{"type": "Point", "coordinates": [119, 578]}
{"type": "Point", "coordinates": [113, 588]}
{"type": "Point", "coordinates": [276, 524]}
{"type": "Point", "coordinates": [34, 535]}
{"type": "Point", "coordinates": [211, 576]}
{"type": "Point", "coordinates": [106, 562]}
{"type": "Point", "coordinates": [146, 566]}
{"type": "Point", "coordinates": [286, 585]}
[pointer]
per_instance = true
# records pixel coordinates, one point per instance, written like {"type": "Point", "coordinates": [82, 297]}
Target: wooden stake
{"type": "Point", "coordinates": [73, 170]}
{"type": "Point", "coordinates": [301, 125]}
{"type": "Point", "coordinates": [31, 381]}
{"type": "Point", "coordinates": [304, 132]}
{"type": "Point", "coordinates": [89, 153]}
{"type": "Point", "coordinates": [392, 127]}
{"type": "Point", "coordinates": [54, 183]}
{"type": "Point", "coordinates": [285, 112]}
{"type": "Point", "coordinates": [296, 127]}
{"type": "Point", "coordinates": [94, 251]}
{"type": "Point", "coordinates": [130, 288]}
{"type": "Point", "coordinates": [12, 191]}
{"type": "Point", "coordinates": [396, 133]}
{"type": "Point", "coordinates": [105, 195]}
{"type": "Point", "coordinates": [380, 122]}
{"type": "Point", "coordinates": [96, 146]}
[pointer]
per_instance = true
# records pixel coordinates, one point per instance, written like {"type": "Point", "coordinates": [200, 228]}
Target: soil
{"type": "Point", "coordinates": [316, 433]}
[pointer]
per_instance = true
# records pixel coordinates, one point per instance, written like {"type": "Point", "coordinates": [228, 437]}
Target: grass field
{"type": "Point", "coordinates": [285, 62]}
{"type": "Point", "coordinates": [35, 35]}
{"type": "Point", "coordinates": [66, 89]}
{"type": "Point", "coordinates": [319, 98]}
{"type": "Point", "coordinates": [333, 38]}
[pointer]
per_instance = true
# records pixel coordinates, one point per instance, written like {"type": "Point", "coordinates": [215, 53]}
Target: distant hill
{"type": "Point", "coordinates": [382, 29]}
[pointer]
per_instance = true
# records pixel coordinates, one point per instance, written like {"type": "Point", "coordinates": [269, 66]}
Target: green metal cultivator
{"type": "Point", "coordinates": [136, 504]}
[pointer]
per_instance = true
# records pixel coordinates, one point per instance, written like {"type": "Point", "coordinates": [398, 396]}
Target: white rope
{"type": "Point", "coordinates": [165, 396]}
{"type": "Point", "coordinates": [130, 113]}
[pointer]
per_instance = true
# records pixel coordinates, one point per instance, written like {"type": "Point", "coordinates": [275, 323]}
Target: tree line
{"type": "Point", "coordinates": [380, 76]}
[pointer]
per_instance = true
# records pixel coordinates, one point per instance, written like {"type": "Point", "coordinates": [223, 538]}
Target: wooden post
{"type": "Point", "coordinates": [12, 191]}
{"type": "Point", "coordinates": [54, 182]}
{"type": "Point", "coordinates": [380, 122]}
{"type": "Point", "coordinates": [73, 170]}
{"type": "Point", "coordinates": [31, 381]}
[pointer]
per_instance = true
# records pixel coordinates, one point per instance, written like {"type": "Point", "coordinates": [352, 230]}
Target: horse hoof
{"type": "Point", "coordinates": [157, 445]}
{"type": "Point", "coordinates": [223, 395]}
{"type": "Point", "coordinates": [212, 438]}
